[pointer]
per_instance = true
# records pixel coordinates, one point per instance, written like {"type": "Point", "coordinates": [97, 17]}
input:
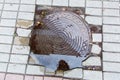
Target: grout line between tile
{"type": "Point", "coordinates": [12, 41]}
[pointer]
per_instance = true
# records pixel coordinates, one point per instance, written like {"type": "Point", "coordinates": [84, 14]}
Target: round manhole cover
{"type": "Point", "coordinates": [64, 37]}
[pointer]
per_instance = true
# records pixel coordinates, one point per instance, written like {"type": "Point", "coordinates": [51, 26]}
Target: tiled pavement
{"type": "Point", "coordinates": [16, 16]}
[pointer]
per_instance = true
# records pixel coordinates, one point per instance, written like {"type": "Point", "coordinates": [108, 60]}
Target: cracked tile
{"type": "Point", "coordinates": [92, 61]}
{"type": "Point", "coordinates": [97, 37]}
{"type": "Point", "coordinates": [96, 49]}
{"type": "Point", "coordinates": [24, 23]}
{"type": "Point", "coordinates": [21, 40]}
{"type": "Point", "coordinates": [20, 49]}
{"type": "Point", "coordinates": [23, 32]}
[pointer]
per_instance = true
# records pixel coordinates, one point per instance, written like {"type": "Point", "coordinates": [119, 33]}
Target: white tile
{"type": "Point", "coordinates": [7, 14]}
{"type": "Point", "coordinates": [107, 4]}
{"type": "Point", "coordinates": [96, 49]}
{"type": "Point", "coordinates": [75, 73]}
{"type": "Point", "coordinates": [28, 2]}
{"type": "Point", "coordinates": [93, 11]}
{"type": "Point", "coordinates": [36, 70]}
{"type": "Point", "coordinates": [26, 15]}
{"type": "Point", "coordinates": [109, 66]}
{"type": "Point", "coordinates": [27, 8]}
{"type": "Point", "coordinates": [92, 75]}
{"type": "Point", "coordinates": [97, 37]}
{"type": "Point", "coordinates": [76, 3]}
{"type": "Point", "coordinates": [3, 67]}
{"type": "Point", "coordinates": [8, 22]}
{"type": "Point", "coordinates": [108, 56]}
{"type": "Point", "coordinates": [4, 57]}
{"type": "Point", "coordinates": [111, 76]}
{"type": "Point", "coordinates": [11, 7]}
{"type": "Point", "coordinates": [19, 58]}
{"type": "Point", "coordinates": [60, 3]}
{"type": "Point", "coordinates": [92, 61]}
{"type": "Point", "coordinates": [23, 32]}
{"type": "Point", "coordinates": [111, 20]}
{"type": "Point", "coordinates": [111, 12]}
{"type": "Point", "coordinates": [5, 48]}
{"type": "Point", "coordinates": [113, 47]}
{"type": "Point", "coordinates": [111, 37]}
{"type": "Point", "coordinates": [111, 29]}
{"type": "Point", "coordinates": [89, 3]}
{"type": "Point", "coordinates": [1, 6]}
{"type": "Point", "coordinates": [16, 68]}
{"type": "Point", "coordinates": [20, 49]}
{"type": "Point", "coordinates": [94, 20]}
{"type": "Point", "coordinates": [11, 1]}
{"type": "Point", "coordinates": [0, 12]}
{"type": "Point", "coordinates": [45, 2]}
{"type": "Point", "coordinates": [6, 39]}
{"type": "Point", "coordinates": [7, 31]}
{"type": "Point", "coordinates": [1, 0]}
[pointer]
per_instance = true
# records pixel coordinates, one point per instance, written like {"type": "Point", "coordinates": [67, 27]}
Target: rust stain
{"type": "Point", "coordinates": [24, 23]}
{"type": "Point", "coordinates": [21, 40]}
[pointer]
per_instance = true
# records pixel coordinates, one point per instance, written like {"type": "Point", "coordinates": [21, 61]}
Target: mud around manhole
{"type": "Point", "coordinates": [60, 38]}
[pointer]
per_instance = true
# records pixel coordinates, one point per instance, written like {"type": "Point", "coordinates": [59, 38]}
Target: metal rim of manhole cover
{"type": "Point", "coordinates": [65, 37]}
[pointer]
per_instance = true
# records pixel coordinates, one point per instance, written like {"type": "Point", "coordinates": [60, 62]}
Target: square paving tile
{"type": "Point", "coordinates": [3, 67]}
{"type": "Point", "coordinates": [5, 48]}
{"type": "Point", "coordinates": [38, 78]}
{"type": "Point", "coordinates": [8, 22]}
{"type": "Point", "coordinates": [29, 77]}
{"type": "Point", "coordinates": [35, 70]}
{"type": "Point", "coordinates": [19, 59]}
{"type": "Point", "coordinates": [52, 78]}
{"type": "Point", "coordinates": [6, 39]}
{"type": "Point", "coordinates": [4, 57]}
{"type": "Point", "coordinates": [7, 31]}
{"type": "Point", "coordinates": [14, 77]}
{"type": "Point", "coordinates": [2, 76]}
{"type": "Point", "coordinates": [8, 14]}
{"type": "Point", "coordinates": [10, 1]}
{"type": "Point", "coordinates": [13, 7]}
{"type": "Point", "coordinates": [16, 68]}
{"type": "Point", "coordinates": [17, 49]}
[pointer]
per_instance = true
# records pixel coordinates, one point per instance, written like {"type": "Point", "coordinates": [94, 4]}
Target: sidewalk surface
{"type": "Point", "coordinates": [16, 16]}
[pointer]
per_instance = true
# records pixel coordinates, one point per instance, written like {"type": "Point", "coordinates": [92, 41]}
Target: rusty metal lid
{"type": "Point", "coordinates": [65, 36]}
